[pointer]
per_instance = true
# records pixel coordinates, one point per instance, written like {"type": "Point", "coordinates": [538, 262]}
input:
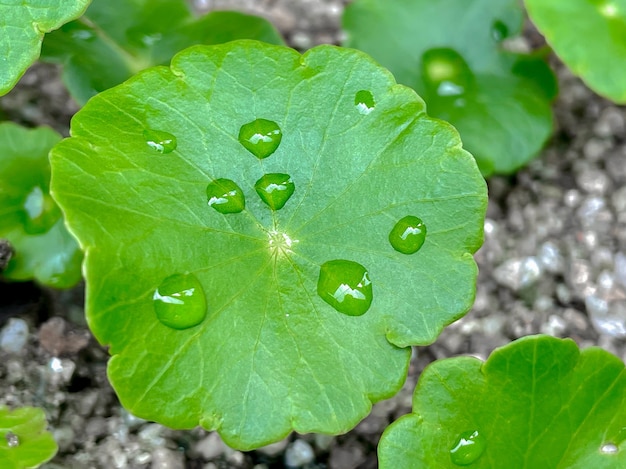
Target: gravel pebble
{"type": "Point", "coordinates": [14, 335]}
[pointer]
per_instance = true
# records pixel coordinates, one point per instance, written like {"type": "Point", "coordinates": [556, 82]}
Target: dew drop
{"type": "Point", "coordinates": [179, 302]}
{"type": "Point", "coordinates": [468, 448]}
{"type": "Point", "coordinates": [260, 137]}
{"type": "Point", "coordinates": [275, 189]}
{"type": "Point", "coordinates": [446, 73]}
{"type": "Point", "coordinates": [499, 31]}
{"type": "Point", "coordinates": [12, 440]}
{"type": "Point", "coordinates": [225, 196]}
{"type": "Point", "coordinates": [41, 213]}
{"type": "Point", "coordinates": [163, 142]}
{"type": "Point", "coordinates": [408, 235]}
{"type": "Point", "coordinates": [346, 286]}
{"type": "Point", "coordinates": [364, 102]}
{"type": "Point", "coordinates": [609, 448]}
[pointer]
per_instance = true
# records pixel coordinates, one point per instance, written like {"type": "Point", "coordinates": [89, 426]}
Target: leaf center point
{"type": "Point", "coordinates": [280, 243]}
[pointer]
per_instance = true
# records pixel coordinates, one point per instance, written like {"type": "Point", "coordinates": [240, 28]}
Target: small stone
{"type": "Point", "coordinates": [518, 273]}
{"type": "Point", "coordinates": [323, 442]}
{"type": "Point", "coordinates": [620, 269]}
{"type": "Point", "coordinates": [210, 447]}
{"type": "Point", "coordinates": [298, 454]}
{"type": "Point", "coordinates": [163, 458]}
{"type": "Point", "coordinates": [348, 456]}
{"type": "Point", "coordinates": [593, 211]}
{"type": "Point", "coordinates": [152, 434]}
{"type": "Point", "coordinates": [555, 326]}
{"type": "Point", "coordinates": [595, 148]}
{"type": "Point", "coordinates": [275, 448]}
{"type": "Point", "coordinates": [65, 437]}
{"type": "Point", "coordinates": [593, 181]}
{"type": "Point", "coordinates": [618, 199]}
{"type": "Point", "coordinates": [610, 123]}
{"type": "Point", "coordinates": [572, 198]}
{"type": "Point", "coordinates": [60, 371]}
{"type": "Point", "coordinates": [6, 252]}
{"type": "Point", "coordinates": [607, 317]}
{"type": "Point", "coordinates": [58, 338]}
{"type": "Point", "coordinates": [14, 371]}
{"type": "Point", "coordinates": [550, 257]}
{"type": "Point", "coordinates": [14, 336]}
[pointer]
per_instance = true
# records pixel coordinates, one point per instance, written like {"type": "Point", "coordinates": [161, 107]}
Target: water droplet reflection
{"type": "Point", "coordinates": [446, 73]}
{"type": "Point", "coordinates": [162, 142]}
{"type": "Point", "coordinates": [225, 196]}
{"type": "Point", "coordinates": [499, 31]}
{"type": "Point", "coordinates": [408, 235]}
{"type": "Point", "coordinates": [468, 448]}
{"type": "Point", "coordinates": [275, 189]}
{"type": "Point", "coordinates": [260, 137]}
{"type": "Point", "coordinates": [13, 440]}
{"type": "Point", "coordinates": [179, 301]}
{"type": "Point", "coordinates": [346, 286]}
{"type": "Point", "coordinates": [609, 448]}
{"type": "Point", "coordinates": [41, 212]}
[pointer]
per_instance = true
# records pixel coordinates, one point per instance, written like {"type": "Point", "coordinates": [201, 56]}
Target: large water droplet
{"type": "Point", "coordinates": [260, 137]}
{"type": "Point", "coordinates": [179, 302]}
{"type": "Point", "coordinates": [609, 448]}
{"type": "Point", "coordinates": [468, 448]}
{"type": "Point", "coordinates": [408, 235]}
{"type": "Point", "coordinates": [225, 196]}
{"type": "Point", "coordinates": [499, 31]}
{"type": "Point", "coordinates": [275, 189]}
{"type": "Point", "coordinates": [364, 102]}
{"type": "Point", "coordinates": [163, 142]}
{"type": "Point", "coordinates": [346, 286]}
{"type": "Point", "coordinates": [12, 439]}
{"type": "Point", "coordinates": [445, 72]}
{"type": "Point", "coordinates": [41, 213]}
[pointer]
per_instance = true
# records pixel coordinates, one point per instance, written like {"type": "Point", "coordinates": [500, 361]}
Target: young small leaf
{"type": "Point", "coordinates": [24, 441]}
{"type": "Point", "coordinates": [29, 218]}
{"type": "Point", "coordinates": [22, 27]}
{"type": "Point", "coordinates": [537, 402]}
{"type": "Point", "coordinates": [118, 38]}
{"type": "Point", "coordinates": [595, 47]}
{"type": "Point", "coordinates": [271, 354]}
{"type": "Point", "coordinates": [451, 53]}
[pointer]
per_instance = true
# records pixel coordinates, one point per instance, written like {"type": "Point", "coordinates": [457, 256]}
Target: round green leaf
{"type": "Point", "coordinates": [29, 218]}
{"type": "Point", "coordinates": [22, 27]}
{"type": "Point", "coordinates": [271, 355]}
{"type": "Point", "coordinates": [450, 52]}
{"type": "Point", "coordinates": [595, 48]}
{"type": "Point", "coordinates": [117, 38]}
{"type": "Point", "coordinates": [24, 441]}
{"type": "Point", "coordinates": [536, 403]}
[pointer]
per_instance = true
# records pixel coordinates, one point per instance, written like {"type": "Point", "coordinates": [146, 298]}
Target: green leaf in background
{"type": "Point", "coordinates": [255, 341]}
{"type": "Point", "coordinates": [24, 441]}
{"type": "Point", "coordinates": [29, 218]}
{"type": "Point", "coordinates": [589, 36]}
{"type": "Point", "coordinates": [450, 52]}
{"type": "Point", "coordinates": [23, 24]}
{"type": "Point", "coordinates": [117, 38]}
{"type": "Point", "coordinates": [536, 403]}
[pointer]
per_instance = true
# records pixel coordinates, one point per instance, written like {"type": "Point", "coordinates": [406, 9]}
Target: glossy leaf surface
{"type": "Point", "coordinates": [29, 218]}
{"type": "Point", "coordinates": [271, 355]}
{"type": "Point", "coordinates": [24, 441]}
{"type": "Point", "coordinates": [451, 53]}
{"type": "Point", "coordinates": [537, 402]}
{"type": "Point", "coordinates": [595, 47]}
{"type": "Point", "coordinates": [23, 24]}
{"type": "Point", "coordinates": [131, 35]}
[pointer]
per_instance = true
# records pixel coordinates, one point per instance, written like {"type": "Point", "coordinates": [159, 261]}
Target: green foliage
{"type": "Point", "coordinates": [269, 353]}
{"type": "Point", "coordinates": [536, 403]}
{"type": "Point", "coordinates": [29, 218]}
{"type": "Point", "coordinates": [117, 38]}
{"type": "Point", "coordinates": [590, 37]}
{"type": "Point", "coordinates": [450, 52]}
{"type": "Point", "coordinates": [24, 441]}
{"type": "Point", "coordinates": [22, 27]}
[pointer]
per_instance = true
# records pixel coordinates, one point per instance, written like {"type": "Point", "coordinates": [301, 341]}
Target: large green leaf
{"type": "Point", "coordinates": [23, 24]}
{"type": "Point", "coordinates": [118, 38]}
{"type": "Point", "coordinates": [536, 403]}
{"type": "Point", "coordinates": [271, 355]}
{"type": "Point", "coordinates": [24, 441]}
{"type": "Point", "coordinates": [450, 52]}
{"type": "Point", "coordinates": [29, 218]}
{"type": "Point", "coordinates": [595, 48]}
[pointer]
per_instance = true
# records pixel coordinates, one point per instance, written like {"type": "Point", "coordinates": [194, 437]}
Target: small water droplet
{"type": "Point", "coordinates": [345, 285]}
{"type": "Point", "coordinates": [161, 141]}
{"type": "Point", "coordinates": [275, 189]}
{"type": "Point", "coordinates": [12, 440]}
{"type": "Point", "coordinates": [468, 448]}
{"type": "Point", "coordinates": [408, 235]}
{"type": "Point", "coordinates": [225, 196]}
{"type": "Point", "coordinates": [260, 137]}
{"type": "Point", "coordinates": [40, 210]}
{"type": "Point", "coordinates": [609, 448]}
{"type": "Point", "coordinates": [364, 102]}
{"type": "Point", "coordinates": [179, 302]}
{"type": "Point", "coordinates": [499, 31]}
{"type": "Point", "coordinates": [445, 72]}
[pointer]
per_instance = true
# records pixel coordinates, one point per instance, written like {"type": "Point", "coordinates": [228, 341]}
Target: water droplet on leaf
{"type": "Point", "coordinates": [41, 213]}
{"type": "Point", "coordinates": [179, 302]}
{"type": "Point", "coordinates": [364, 102]}
{"type": "Point", "coordinates": [12, 440]}
{"type": "Point", "coordinates": [275, 189]}
{"type": "Point", "coordinates": [468, 448]}
{"type": "Point", "coordinates": [408, 235]}
{"type": "Point", "coordinates": [260, 137]}
{"type": "Point", "coordinates": [499, 31]}
{"type": "Point", "coordinates": [163, 142]}
{"type": "Point", "coordinates": [609, 448]}
{"type": "Point", "coordinates": [345, 285]}
{"type": "Point", "coordinates": [445, 72]}
{"type": "Point", "coordinates": [225, 196]}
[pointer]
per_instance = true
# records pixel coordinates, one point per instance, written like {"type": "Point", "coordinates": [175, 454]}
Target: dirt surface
{"type": "Point", "coordinates": [554, 262]}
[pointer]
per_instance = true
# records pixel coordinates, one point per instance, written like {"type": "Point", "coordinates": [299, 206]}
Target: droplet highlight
{"type": "Point", "coordinates": [364, 102]}
{"type": "Point", "coordinates": [346, 286]}
{"type": "Point", "coordinates": [260, 137]}
{"type": "Point", "coordinates": [275, 189]}
{"type": "Point", "coordinates": [162, 142]}
{"type": "Point", "coordinates": [446, 73]}
{"type": "Point", "coordinates": [225, 196]}
{"type": "Point", "coordinates": [13, 441]}
{"type": "Point", "coordinates": [40, 211]}
{"type": "Point", "coordinates": [179, 301]}
{"type": "Point", "coordinates": [609, 448]}
{"type": "Point", "coordinates": [468, 448]}
{"type": "Point", "coordinates": [499, 31]}
{"type": "Point", "coordinates": [408, 235]}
